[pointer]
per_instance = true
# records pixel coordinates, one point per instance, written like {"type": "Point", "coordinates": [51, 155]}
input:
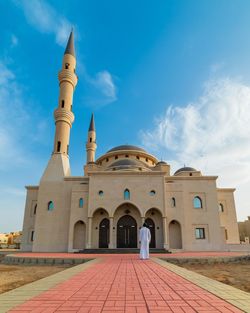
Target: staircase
{"type": "Point", "coordinates": [120, 251]}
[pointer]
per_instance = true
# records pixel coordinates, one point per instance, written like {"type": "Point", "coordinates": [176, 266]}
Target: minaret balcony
{"type": "Point", "coordinates": [67, 75]}
{"type": "Point", "coordinates": [64, 115]}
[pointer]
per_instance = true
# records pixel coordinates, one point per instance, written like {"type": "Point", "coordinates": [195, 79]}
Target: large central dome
{"type": "Point", "coordinates": [126, 147]}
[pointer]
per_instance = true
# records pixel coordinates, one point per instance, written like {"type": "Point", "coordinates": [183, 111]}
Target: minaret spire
{"type": "Point", "coordinates": [70, 48]}
{"type": "Point", "coordinates": [92, 123]}
{"type": "Point", "coordinates": [91, 143]}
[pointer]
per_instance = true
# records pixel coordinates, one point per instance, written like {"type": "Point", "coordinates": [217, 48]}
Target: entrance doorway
{"type": "Point", "coordinates": [151, 226]}
{"type": "Point", "coordinates": [104, 233]}
{"type": "Point", "coordinates": [127, 232]}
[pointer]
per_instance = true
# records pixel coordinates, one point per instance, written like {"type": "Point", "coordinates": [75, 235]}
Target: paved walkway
{"type": "Point", "coordinates": [124, 284]}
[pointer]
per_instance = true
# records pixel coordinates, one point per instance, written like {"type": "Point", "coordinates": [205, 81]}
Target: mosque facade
{"type": "Point", "coordinates": [119, 191]}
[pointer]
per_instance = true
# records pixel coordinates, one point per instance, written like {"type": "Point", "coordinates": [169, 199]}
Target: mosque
{"type": "Point", "coordinates": [105, 207]}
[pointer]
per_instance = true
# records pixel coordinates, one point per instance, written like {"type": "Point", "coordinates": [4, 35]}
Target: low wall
{"type": "Point", "coordinates": [13, 259]}
{"type": "Point", "coordinates": [238, 247]}
{"type": "Point", "coordinates": [208, 260]}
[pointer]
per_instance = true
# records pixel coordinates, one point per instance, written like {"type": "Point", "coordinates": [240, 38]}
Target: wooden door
{"type": "Point", "coordinates": [127, 232]}
{"type": "Point", "coordinates": [104, 233]}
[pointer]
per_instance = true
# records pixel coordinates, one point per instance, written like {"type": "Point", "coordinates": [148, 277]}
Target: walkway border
{"type": "Point", "coordinates": [15, 297]}
{"type": "Point", "coordinates": [236, 297]}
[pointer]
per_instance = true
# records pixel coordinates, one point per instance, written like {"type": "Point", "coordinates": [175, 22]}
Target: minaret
{"type": "Point", "coordinates": [63, 114]}
{"type": "Point", "coordinates": [91, 143]}
{"type": "Point", "coordinates": [58, 166]}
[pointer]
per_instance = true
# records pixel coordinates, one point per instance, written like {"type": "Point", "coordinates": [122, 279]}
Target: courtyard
{"type": "Point", "coordinates": [123, 283]}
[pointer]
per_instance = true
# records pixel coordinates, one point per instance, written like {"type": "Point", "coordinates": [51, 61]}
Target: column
{"type": "Point", "coordinates": [111, 233]}
{"type": "Point", "coordinates": [165, 233]}
{"type": "Point", "coordinates": [89, 244]}
{"type": "Point", "coordinates": [142, 220]}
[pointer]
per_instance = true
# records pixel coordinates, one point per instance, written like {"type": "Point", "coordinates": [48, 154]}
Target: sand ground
{"type": "Point", "coordinates": [233, 274]}
{"type": "Point", "coordinates": [13, 276]}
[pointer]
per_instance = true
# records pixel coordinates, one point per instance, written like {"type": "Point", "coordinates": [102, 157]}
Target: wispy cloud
{"type": "Point", "coordinates": [17, 124]}
{"type": "Point", "coordinates": [12, 116]}
{"type": "Point", "coordinates": [211, 134]}
{"type": "Point", "coordinates": [46, 19]}
{"type": "Point", "coordinates": [104, 83]}
{"type": "Point", "coordinates": [14, 40]}
{"type": "Point", "coordinates": [14, 191]}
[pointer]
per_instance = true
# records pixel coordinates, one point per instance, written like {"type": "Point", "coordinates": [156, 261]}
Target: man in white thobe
{"type": "Point", "coordinates": [145, 237]}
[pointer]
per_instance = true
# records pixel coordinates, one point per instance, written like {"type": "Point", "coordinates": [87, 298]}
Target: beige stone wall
{"type": "Point", "coordinates": [113, 202]}
{"type": "Point", "coordinates": [184, 190]}
{"type": "Point", "coordinates": [228, 218]}
{"type": "Point", "coordinates": [30, 213]}
{"type": "Point", "coordinates": [80, 189]}
{"type": "Point", "coordinates": [244, 229]}
{"type": "Point", "coordinates": [68, 227]}
{"type": "Point", "coordinates": [52, 227]}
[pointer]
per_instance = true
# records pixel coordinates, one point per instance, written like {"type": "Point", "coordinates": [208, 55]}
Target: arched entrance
{"type": "Point", "coordinates": [126, 232]}
{"type": "Point", "coordinates": [175, 239]}
{"type": "Point", "coordinates": [104, 233]}
{"type": "Point", "coordinates": [99, 233]}
{"type": "Point", "coordinates": [153, 217]}
{"type": "Point", "coordinates": [79, 236]}
{"type": "Point", "coordinates": [151, 226]}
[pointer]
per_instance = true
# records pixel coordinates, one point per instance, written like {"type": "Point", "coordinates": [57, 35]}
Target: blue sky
{"type": "Point", "coordinates": [170, 76]}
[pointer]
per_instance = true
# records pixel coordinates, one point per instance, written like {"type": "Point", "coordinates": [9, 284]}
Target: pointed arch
{"type": "Point", "coordinates": [173, 202]}
{"type": "Point", "coordinates": [197, 202]}
{"type": "Point", "coordinates": [81, 203]}
{"type": "Point", "coordinates": [175, 236]}
{"type": "Point", "coordinates": [50, 205]}
{"type": "Point", "coordinates": [79, 235]}
{"type": "Point", "coordinates": [126, 194]}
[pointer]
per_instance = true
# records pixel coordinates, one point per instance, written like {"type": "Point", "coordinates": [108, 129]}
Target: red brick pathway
{"type": "Point", "coordinates": [125, 284]}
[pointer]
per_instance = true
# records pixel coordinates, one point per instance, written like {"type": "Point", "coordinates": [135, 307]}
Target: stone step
{"type": "Point", "coordinates": [120, 251]}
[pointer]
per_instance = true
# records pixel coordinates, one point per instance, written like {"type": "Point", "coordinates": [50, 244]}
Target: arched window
{"type": "Point", "coordinates": [32, 235]}
{"type": "Point", "coordinates": [81, 202]}
{"type": "Point", "coordinates": [197, 203]}
{"type": "Point", "coordinates": [152, 193]}
{"type": "Point", "coordinates": [100, 193]}
{"type": "Point", "coordinates": [221, 207]}
{"type": "Point", "coordinates": [35, 207]}
{"type": "Point", "coordinates": [126, 194]}
{"type": "Point", "coordinates": [58, 146]}
{"type": "Point", "coordinates": [50, 206]}
{"type": "Point", "coordinates": [173, 202]}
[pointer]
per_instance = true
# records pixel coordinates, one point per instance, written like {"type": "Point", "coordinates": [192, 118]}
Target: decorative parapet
{"type": "Point", "coordinates": [67, 75]}
{"type": "Point", "coordinates": [64, 115]}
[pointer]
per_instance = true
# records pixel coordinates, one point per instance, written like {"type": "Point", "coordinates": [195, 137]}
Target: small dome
{"type": "Point", "coordinates": [162, 163]}
{"type": "Point", "coordinates": [126, 147]}
{"type": "Point", "coordinates": [185, 169]}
